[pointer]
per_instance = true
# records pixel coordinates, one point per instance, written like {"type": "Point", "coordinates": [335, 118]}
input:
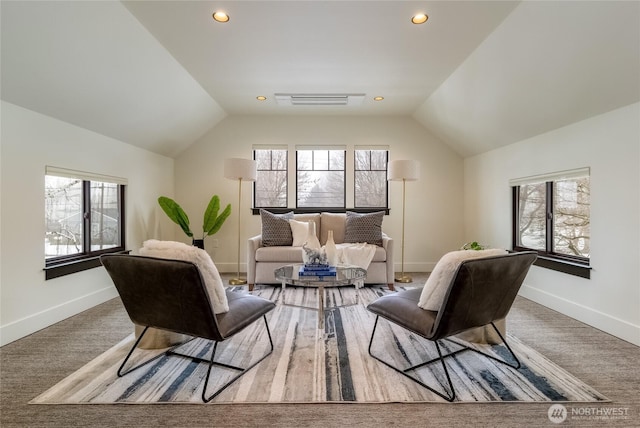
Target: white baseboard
{"type": "Point", "coordinates": [28, 325]}
{"type": "Point", "coordinates": [415, 267]}
{"type": "Point", "coordinates": [231, 268]}
{"type": "Point", "coordinates": [607, 323]}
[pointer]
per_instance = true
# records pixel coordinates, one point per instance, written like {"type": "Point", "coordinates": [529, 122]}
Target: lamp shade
{"type": "Point", "coordinates": [237, 168]}
{"type": "Point", "coordinates": [408, 170]}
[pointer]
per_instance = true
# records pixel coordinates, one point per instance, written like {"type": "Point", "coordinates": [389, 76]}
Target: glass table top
{"type": "Point", "coordinates": [345, 275]}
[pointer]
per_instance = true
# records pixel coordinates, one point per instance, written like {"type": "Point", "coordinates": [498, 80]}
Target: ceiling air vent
{"type": "Point", "coordinates": [319, 99]}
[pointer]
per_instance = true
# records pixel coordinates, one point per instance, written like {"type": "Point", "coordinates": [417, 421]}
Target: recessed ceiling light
{"type": "Point", "coordinates": [261, 98]}
{"type": "Point", "coordinates": [419, 18]}
{"type": "Point", "coordinates": [378, 98]}
{"type": "Point", "coordinates": [220, 16]}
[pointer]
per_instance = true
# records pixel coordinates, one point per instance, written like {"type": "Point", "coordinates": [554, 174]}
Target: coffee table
{"type": "Point", "coordinates": [345, 275]}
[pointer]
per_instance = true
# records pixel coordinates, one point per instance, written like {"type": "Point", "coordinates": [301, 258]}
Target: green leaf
{"type": "Point", "coordinates": [220, 220]}
{"type": "Point", "coordinates": [175, 213]}
{"type": "Point", "coordinates": [210, 214]}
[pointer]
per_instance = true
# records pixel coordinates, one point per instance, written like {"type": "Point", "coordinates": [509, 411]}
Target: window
{"type": "Point", "coordinates": [370, 178]}
{"type": "Point", "coordinates": [84, 217]}
{"type": "Point", "coordinates": [551, 215]}
{"type": "Point", "coordinates": [320, 178]}
{"type": "Point", "coordinates": [271, 181]}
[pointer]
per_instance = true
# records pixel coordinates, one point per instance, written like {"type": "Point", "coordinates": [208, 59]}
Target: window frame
{"type": "Point", "coordinates": [286, 170]}
{"type": "Point", "coordinates": [344, 172]}
{"type": "Point", "coordinates": [547, 258]}
{"type": "Point", "coordinates": [386, 169]}
{"type": "Point", "coordinates": [301, 210]}
{"type": "Point", "coordinates": [67, 264]}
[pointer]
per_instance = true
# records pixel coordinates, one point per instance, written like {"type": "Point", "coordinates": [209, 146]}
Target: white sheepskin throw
{"type": "Point", "coordinates": [359, 254]}
{"type": "Point", "coordinates": [199, 257]}
{"type": "Point", "coordinates": [435, 289]}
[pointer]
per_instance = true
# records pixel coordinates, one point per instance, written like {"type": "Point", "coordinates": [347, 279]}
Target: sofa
{"type": "Point", "coordinates": [274, 247]}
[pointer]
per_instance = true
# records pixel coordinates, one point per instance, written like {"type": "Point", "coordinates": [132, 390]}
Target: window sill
{"type": "Point", "coordinates": [572, 268]}
{"type": "Point", "coordinates": [66, 268]}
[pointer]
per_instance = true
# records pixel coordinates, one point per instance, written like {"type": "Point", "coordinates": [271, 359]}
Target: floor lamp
{"type": "Point", "coordinates": [239, 169]}
{"type": "Point", "coordinates": [405, 170]}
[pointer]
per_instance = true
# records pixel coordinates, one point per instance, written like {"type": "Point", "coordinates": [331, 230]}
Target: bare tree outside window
{"type": "Point", "coordinates": [532, 216]}
{"type": "Point", "coordinates": [63, 216]}
{"type": "Point", "coordinates": [84, 218]}
{"type": "Point", "coordinates": [571, 219]}
{"type": "Point", "coordinates": [271, 182]}
{"type": "Point", "coordinates": [105, 216]}
{"type": "Point", "coordinates": [370, 174]}
{"type": "Point", "coordinates": [559, 209]}
{"type": "Point", "coordinates": [320, 178]}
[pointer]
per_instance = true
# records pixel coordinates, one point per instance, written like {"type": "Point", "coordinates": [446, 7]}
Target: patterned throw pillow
{"type": "Point", "coordinates": [276, 231]}
{"type": "Point", "coordinates": [364, 228]}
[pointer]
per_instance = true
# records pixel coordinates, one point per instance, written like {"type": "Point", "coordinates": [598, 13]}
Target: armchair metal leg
{"type": "Point", "coordinates": [515, 365]}
{"type": "Point", "coordinates": [210, 362]}
{"type": "Point", "coordinates": [242, 370]}
{"type": "Point", "coordinates": [447, 396]}
{"type": "Point", "coordinates": [133, 348]}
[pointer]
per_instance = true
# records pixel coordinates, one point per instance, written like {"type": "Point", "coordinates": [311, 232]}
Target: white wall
{"type": "Point", "coordinates": [29, 142]}
{"type": "Point", "coordinates": [610, 145]}
{"type": "Point", "coordinates": [434, 204]}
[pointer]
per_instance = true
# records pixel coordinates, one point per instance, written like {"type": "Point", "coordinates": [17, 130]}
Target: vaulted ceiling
{"type": "Point", "coordinates": [477, 74]}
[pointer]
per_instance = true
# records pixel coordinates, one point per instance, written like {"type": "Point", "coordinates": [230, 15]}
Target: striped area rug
{"type": "Point", "coordinates": [311, 365]}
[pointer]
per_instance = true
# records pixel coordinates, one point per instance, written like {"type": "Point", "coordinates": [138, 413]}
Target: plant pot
{"type": "Point", "coordinates": [198, 243]}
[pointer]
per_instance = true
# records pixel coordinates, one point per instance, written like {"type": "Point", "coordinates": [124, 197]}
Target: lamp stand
{"type": "Point", "coordinates": [237, 280]}
{"type": "Point", "coordinates": [403, 278]}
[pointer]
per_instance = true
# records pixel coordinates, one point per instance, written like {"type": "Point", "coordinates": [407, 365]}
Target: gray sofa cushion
{"type": "Point", "coordinates": [276, 230]}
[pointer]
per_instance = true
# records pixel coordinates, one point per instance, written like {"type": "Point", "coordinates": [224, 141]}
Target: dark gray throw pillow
{"type": "Point", "coordinates": [276, 230]}
{"type": "Point", "coordinates": [364, 228]}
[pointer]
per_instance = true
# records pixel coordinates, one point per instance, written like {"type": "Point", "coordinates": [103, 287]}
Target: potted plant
{"type": "Point", "coordinates": [212, 221]}
{"type": "Point", "coordinates": [473, 246]}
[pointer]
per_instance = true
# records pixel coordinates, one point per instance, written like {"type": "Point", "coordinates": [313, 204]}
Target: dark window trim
{"type": "Point", "coordinates": [301, 210]}
{"type": "Point", "coordinates": [563, 266]}
{"type": "Point", "coordinates": [79, 265]}
{"type": "Point", "coordinates": [65, 265]}
{"type": "Point", "coordinates": [578, 266]}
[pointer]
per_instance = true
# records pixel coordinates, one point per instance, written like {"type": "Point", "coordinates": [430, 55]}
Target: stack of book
{"type": "Point", "coordinates": [317, 270]}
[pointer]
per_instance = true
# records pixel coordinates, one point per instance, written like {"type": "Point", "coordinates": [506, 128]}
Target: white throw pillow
{"type": "Point", "coordinates": [300, 231]}
{"type": "Point", "coordinates": [181, 251]}
{"type": "Point", "coordinates": [435, 289]}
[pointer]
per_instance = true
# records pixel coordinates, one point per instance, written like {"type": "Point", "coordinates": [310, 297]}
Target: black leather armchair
{"type": "Point", "coordinates": [171, 295]}
{"type": "Point", "coordinates": [481, 292]}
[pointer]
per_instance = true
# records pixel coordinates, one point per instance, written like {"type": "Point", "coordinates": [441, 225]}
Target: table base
{"type": "Point", "coordinates": [321, 290]}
